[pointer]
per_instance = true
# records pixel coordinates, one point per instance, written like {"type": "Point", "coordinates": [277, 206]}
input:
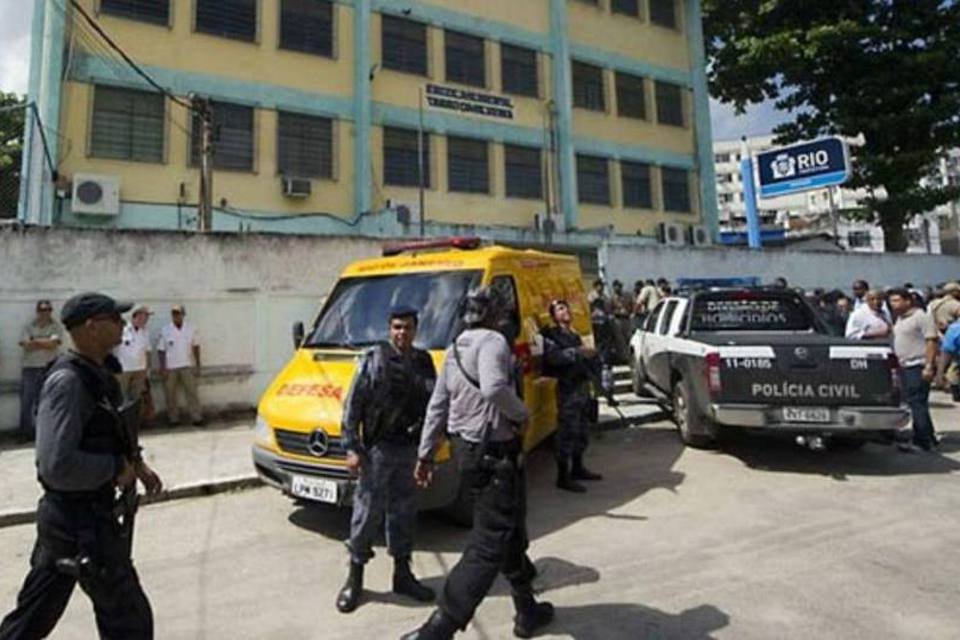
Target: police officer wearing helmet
{"type": "Point", "coordinates": [382, 418]}
{"type": "Point", "coordinates": [476, 403]}
{"type": "Point", "coordinates": [575, 366]}
{"type": "Point", "coordinates": [86, 456]}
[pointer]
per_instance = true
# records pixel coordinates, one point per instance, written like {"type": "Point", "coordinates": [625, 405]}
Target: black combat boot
{"type": "Point", "coordinates": [531, 615]}
{"type": "Point", "coordinates": [564, 481]}
{"type": "Point", "coordinates": [349, 596]}
{"type": "Point", "coordinates": [955, 392]}
{"type": "Point", "coordinates": [406, 584]}
{"type": "Point", "coordinates": [438, 627]}
{"type": "Point", "coordinates": [580, 472]}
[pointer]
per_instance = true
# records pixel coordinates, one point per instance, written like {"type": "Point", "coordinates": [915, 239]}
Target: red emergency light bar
{"type": "Point", "coordinates": [455, 242]}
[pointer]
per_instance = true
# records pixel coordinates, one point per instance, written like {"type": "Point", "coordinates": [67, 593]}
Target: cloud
{"type": "Point", "coordinates": [15, 53]}
{"type": "Point", "coordinates": [759, 120]}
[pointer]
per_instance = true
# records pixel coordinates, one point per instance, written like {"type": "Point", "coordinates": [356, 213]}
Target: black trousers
{"type": "Point", "coordinates": [67, 528]}
{"type": "Point", "coordinates": [498, 541]}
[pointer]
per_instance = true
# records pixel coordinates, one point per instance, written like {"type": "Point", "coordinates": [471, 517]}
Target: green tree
{"type": "Point", "coordinates": [887, 69]}
{"type": "Point", "coordinates": [11, 152]}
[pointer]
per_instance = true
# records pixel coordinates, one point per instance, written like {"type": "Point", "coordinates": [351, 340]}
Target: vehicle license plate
{"type": "Point", "coordinates": [317, 489]}
{"type": "Point", "coordinates": [806, 414]}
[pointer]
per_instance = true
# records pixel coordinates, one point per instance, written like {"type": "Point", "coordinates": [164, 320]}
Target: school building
{"type": "Point", "coordinates": [565, 119]}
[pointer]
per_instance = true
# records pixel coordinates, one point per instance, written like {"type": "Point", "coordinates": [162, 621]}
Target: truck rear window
{"type": "Point", "coordinates": [750, 311]}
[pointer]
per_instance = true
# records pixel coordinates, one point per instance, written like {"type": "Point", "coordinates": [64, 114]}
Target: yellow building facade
{"type": "Point", "coordinates": [558, 116]}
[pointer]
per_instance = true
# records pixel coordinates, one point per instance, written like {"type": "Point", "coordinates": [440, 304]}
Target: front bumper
{"type": "Point", "coordinates": [842, 419]}
{"type": "Point", "coordinates": [278, 471]}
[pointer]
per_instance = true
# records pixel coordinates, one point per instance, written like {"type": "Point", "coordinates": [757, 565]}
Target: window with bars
{"type": "Point", "coordinates": [593, 180]}
{"type": "Point", "coordinates": [669, 104]}
{"type": "Point", "coordinates": [127, 125]}
{"type": "Point", "coordinates": [468, 169]}
{"type": "Point", "coordinates": [523, 171]}
{"type": "Point", "coordinates": [626, 7]}
{"type": "Point", "coordinates": [635, 180]}
{"type": "Point", "coordinates": [588, 86]}
{"type": "Point", "coordinates": [465, 60]}
{"type": "Point", "coordinates": [232, 137]}
{"type": "Point", "coordinates": [664, 13]}
{"type": "Point", "coordinates": [400, 158]}
{"type": "Point", "coordinates": [236, 19]}
{"type": "Point", "coordinates": [631, 101]}
{"type": "Point", "coordinates": [518, 70]}
{"type": "Point", "coordinates": [305, 145]}
{"type": "Point", "coordinates": [676, 189]}
{"type": "Point", "coordinates": [404, 45]}
{"type": "Point", "coordinates": [307, 26]}
{"type": "Point", "coordinates": [155, 11]}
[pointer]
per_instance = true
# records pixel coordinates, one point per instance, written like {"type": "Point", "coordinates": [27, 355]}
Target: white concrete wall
{"type": "Point", "coordinates": [242, 292]}
{"type": "Point", "coordinates": [800, 268]}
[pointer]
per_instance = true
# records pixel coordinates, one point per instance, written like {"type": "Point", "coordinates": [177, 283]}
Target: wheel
{"type": "Point", "coordinates": [694, 428]}
{"type": "Point", "coordinates": [460, 511]}
{"type": "Point", "coordinates": [639, 379]}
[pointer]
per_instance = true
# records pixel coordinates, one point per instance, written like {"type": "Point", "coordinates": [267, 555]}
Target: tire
{"type": "Point", "coordinates": [695, 429]}
{"type": "Point", "coordinates": [639, 379]}
{"type": "Point", "coordinates": [460, 511]}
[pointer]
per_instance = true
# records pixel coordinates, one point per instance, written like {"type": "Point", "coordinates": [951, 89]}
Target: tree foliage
{"type": "Point", "coordinates": [886, 69]}
{"type": "Point", "coordinates": [11, 153]}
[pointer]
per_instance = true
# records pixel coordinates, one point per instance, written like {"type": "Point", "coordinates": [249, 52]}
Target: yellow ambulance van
{"type": "Point", "coordinates": [297, 447]}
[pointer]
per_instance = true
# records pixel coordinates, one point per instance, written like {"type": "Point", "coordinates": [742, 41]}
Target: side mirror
{"type": "Point", "coordinates": [297, 334]}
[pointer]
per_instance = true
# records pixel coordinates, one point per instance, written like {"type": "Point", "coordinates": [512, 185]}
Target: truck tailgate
{"type": "Point", "coordinates": [805, 372]}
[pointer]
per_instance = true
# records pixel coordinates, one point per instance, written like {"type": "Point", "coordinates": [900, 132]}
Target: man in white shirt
{"type": "Point", "coordinates": [179, 353]}
{"type": "Point", "coordinates": [868, 322]}
{"type": "Point", "coordinates": [133, 352]}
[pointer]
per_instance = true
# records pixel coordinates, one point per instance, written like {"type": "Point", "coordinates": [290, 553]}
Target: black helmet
{"type": "Point", "coordinates": [481, 307]}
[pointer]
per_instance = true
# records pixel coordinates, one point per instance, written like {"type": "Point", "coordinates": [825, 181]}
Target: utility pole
{"type": "Point", "coordinates": [420, 167]}
{"type": "Point", "coordinates": [203, 108]}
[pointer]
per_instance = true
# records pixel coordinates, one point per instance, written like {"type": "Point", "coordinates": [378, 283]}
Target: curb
{"type": "Point", "coordinates": [14, 518]}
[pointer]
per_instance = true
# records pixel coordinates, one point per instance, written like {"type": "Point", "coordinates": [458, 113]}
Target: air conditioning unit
{"type": "Point", "coordinates": [671, 233]}
{"type": "Point", "coordinates": [407, 212]}
{"type": "Point", "coordinates": [95, 194]}
{"type": "Point", "coordinates": [296, 187]}
{"type": "Point", "coordinates": [699, 236]}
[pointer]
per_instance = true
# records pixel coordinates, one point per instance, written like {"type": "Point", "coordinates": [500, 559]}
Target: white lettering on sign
{"type": "Point", "coordinates": [802, 390]}
{"type": "Point", "coordinates": [812, 160]}
{"type": "Point", "coordinates": [859, 365]}
{"type": "Point", "coordinates": [748, 363]}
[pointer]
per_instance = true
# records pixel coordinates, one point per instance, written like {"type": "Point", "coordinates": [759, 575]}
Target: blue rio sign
{"type": "Point", "coordinates": [803, 167]}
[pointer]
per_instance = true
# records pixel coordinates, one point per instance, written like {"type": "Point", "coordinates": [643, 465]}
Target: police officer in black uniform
{"type": "Point", "coordinates": [475, 400]}
{"type": "Point", "coordinates": [575, 366]}
{"type": "Point", "coordinates": [382, 418]}
{"type": "Point", "coordinates": [88, 465]}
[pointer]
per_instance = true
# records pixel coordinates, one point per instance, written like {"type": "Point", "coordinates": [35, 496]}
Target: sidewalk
{"type": "Point", "coordinates": [191, 462]}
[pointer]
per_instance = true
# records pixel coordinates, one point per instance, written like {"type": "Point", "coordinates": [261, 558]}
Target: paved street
{"type": "Point", "coordinates": [761, 540]}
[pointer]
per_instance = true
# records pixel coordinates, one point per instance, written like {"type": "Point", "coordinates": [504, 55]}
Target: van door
{"type": "Point", "coordinates": [658, 356]}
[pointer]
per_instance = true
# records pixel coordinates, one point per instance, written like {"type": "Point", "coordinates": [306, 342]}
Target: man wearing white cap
{"type": "Point", "coordinates": [133, 352]}
{"type": "Point", "coordinates": [179, 353]}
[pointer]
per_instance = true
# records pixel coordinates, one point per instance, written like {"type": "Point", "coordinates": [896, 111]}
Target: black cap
{"type": "Point", "coordinates": [403, 311]}
{"type": "Point", "coordinates": [82, 306]}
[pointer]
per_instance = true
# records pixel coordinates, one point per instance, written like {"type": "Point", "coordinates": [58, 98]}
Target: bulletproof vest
{"type": "Point", "coordinates": [101, 433]}
{"type": "Point", "coordinates": [565, 340]}
{"type": "Point", "coordinates": [404, 407]}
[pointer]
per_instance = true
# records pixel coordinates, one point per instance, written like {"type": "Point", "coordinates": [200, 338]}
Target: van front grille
{"type": "Point", "coordinates": [298, 443]}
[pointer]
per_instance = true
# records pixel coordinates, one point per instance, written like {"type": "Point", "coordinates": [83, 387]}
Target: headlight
{"type": "Point", "coordinates": [262, 432]}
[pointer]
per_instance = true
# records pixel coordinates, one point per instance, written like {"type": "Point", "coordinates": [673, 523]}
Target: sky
{"type": "Point", "coordinates": [15, 64]}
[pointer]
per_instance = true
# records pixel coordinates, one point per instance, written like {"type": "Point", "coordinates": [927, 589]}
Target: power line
{"type": "Point", "coordinates": [133, 65]}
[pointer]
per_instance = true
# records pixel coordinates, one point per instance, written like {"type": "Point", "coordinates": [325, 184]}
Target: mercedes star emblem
{"type": "Point", "coordinates": [318, 443]}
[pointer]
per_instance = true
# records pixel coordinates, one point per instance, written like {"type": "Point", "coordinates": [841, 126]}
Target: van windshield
{"type": "Point", "coordinates": [356, 312]}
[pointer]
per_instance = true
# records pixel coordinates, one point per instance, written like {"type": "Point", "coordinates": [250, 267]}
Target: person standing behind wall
{"type": "Point", "coordinates": [133, 352]}
{"type": "Point", "coordinates": [179, 353]}
{"type": "Point", "coordinates": [40, 340]}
